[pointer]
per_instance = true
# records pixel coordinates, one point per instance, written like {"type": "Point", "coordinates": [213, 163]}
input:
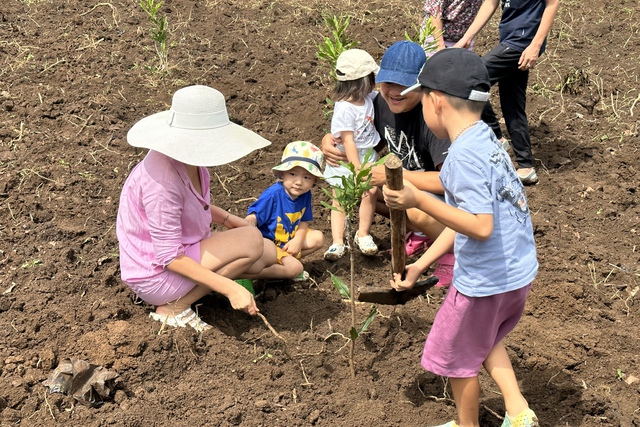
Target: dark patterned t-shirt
{"type": "Point", "coordinates": [407, 136]}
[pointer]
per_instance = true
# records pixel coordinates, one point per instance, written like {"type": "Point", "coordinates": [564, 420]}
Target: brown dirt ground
{"type": "Point", "coordinates": [74, 77]}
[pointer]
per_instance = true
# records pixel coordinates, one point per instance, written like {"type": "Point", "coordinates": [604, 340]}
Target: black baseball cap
{"type": "Point", "coordinates": [457, 72]}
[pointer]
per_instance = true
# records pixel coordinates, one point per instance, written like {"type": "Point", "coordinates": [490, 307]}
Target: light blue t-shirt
{"type": "Point", "coordinates": [479, 178]}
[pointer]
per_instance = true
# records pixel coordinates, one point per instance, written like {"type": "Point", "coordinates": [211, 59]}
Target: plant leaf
{"type": "Point", "coordinates": [353, 334]}
{"type": "Point", "coordinates": [369, 319]}
{"type": "Point", "coordinates": [341, 286]}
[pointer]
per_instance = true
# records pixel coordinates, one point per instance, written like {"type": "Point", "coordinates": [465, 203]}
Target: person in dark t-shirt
{"type": "Point", "coordinates": [400, 123]}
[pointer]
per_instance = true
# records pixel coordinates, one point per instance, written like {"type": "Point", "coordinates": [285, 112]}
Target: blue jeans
{"type": "Point", "coordinates": [502, 65]}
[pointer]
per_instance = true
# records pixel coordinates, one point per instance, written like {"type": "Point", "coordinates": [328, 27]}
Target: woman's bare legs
{"type": "Point", "coordinates": [236, 252]}
{"type": "Point", "coordinates": [222, 254]}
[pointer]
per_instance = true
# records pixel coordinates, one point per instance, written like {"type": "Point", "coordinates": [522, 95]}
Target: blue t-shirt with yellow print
{"type": "Point", "coordinates": [278, 216]}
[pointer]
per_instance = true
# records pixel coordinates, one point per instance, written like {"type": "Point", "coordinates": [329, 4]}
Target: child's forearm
{"type": "Point", "coordinates": [485, 12]}
{"type": "Point", "coordinates": [352, 154]}
{"type": "Point", "coordinates": [442, 245]}
{"type": "Point", "coordinates": [301, 232]}
{"type": "Point", "coordinates": [350, 148]}
{"type": "Point", "coordinates": [476, 226]}
{"type": "Point", "coordinates": [425, 181]}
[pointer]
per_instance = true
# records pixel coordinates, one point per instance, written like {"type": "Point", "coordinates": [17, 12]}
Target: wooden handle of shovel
{"type": "Point", "coordinates": [393, 172]}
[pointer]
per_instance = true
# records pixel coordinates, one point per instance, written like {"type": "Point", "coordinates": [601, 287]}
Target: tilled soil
{"type": "Point", "coordinates": [76, 75]}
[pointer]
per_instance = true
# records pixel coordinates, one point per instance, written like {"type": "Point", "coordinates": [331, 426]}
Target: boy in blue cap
{"type": "Point", "coordinates": [488, 225]}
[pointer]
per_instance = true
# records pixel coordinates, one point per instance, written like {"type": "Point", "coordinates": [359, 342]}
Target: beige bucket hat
{"type": "Point", "coordinates": [196, 130]}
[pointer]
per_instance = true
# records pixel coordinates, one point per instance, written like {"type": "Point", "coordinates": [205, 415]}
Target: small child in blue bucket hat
{"type": "Point", "coordinates": [284, 210]}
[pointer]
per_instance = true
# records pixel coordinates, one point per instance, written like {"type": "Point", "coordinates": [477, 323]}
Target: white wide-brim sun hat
{"type": "Point", "coordinates": [196, 130]}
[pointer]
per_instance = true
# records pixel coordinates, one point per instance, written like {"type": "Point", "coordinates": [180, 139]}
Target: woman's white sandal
{"type": "Point", "coordinates": [181, 320]}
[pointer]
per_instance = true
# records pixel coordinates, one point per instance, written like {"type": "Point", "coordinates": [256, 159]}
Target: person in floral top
{"type": "Point", "coordinates": [451, 19]}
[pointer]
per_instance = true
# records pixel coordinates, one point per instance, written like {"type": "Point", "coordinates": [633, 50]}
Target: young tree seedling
{"type": "Point", "coordinates": [348, 195]}
{"type": "Point", "coordinates": [159, 31]}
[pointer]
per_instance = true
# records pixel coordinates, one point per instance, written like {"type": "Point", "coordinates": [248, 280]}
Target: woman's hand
{"type": "Point", "coordinates": [252, 220]}
{"type": "Point", "coordinates": [241, 299]}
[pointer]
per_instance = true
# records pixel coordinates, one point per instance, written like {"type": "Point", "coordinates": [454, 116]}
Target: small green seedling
{"type": "Point", "coordinates": [31, 263]}
{"type": "Point", "coordinates": [425, 35]}
{"type": "Point", "coordinates": [343, 289]}
{"type": "Point", "coordinates": [266, 355]}
{"type": "Point", "coordinates": [348, 196]}
{"type": "Point", "coordinates": [159, 31]}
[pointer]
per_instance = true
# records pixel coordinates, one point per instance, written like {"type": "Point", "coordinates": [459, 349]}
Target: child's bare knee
{"type": "Point", "coordinates": [292, 266]}
{"type": "Point", "coordinates": [316, 240]}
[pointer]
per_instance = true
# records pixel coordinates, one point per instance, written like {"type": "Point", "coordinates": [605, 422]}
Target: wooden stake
{"type": "Point", "coordinates": [393, 172]}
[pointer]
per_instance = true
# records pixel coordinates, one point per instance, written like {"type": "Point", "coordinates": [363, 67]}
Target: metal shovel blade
{"type": "Point", "coordinates": [389, 296]}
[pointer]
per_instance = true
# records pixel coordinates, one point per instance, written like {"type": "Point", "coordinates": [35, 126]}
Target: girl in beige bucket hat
{"type": "Point", "coordinates": [168, 255]}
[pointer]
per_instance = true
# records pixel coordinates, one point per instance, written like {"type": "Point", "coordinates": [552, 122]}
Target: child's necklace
{"type": "Point", "coordinates": [467, 127]}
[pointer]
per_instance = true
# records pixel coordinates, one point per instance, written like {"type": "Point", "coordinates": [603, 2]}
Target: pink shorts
{"type": "Point", "coordinates": [167, 286]}
{"type": "Point", "coordinates": [466, 329]}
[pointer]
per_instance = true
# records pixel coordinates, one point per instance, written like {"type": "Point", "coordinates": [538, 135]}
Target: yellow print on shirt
{"type": "Point", "coordinates": [286, 230]}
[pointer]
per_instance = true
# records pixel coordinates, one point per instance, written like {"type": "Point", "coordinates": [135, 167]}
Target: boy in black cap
{"type": "Point", "coordinates": [489, 228]}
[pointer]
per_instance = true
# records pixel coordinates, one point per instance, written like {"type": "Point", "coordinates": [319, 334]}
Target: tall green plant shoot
{"type": "Point", "coordinates": [425, 35]}
{"type": "Point", "coordinates": [331, 47]}
{"type": "Point", "coordinates": [159, 31]}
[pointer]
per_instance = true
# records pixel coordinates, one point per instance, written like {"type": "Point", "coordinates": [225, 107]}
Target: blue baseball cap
{"type": "Point", "coordinates": [401, 63]}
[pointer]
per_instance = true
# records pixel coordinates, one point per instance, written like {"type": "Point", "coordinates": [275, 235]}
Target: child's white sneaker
{"type": "Point", "coordinates": [335, 252]}
{"type": "Point", "coordinates": [366, 244]}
